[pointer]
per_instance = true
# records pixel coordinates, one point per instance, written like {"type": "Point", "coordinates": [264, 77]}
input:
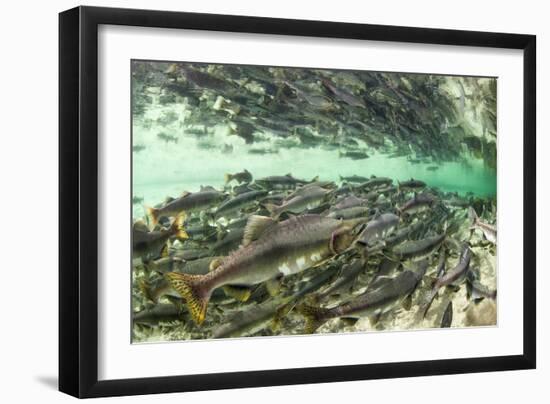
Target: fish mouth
{"type": "Point", "coordinates": [355, 233]}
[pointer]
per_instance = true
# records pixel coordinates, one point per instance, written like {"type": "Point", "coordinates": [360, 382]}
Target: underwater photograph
{"type": "Point", "coordinates": [279, 201]}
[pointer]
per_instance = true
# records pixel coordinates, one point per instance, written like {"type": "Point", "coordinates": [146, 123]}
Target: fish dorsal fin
{"type": "Point", "coordinates": [185, 193]}
{"type": "Point", "coordinates": [472, 214]}
{"type": "Point", "coordinates": [168, 199]}
{"type": "Point", "coordinates": [379, 281]}
{"type": "Point", "coordinates": [215, 263]}
{"type": "Point", "coordinates": [288, 175]}
{"type": "Point", "coordinates": [254, 228]}
{"type": "Point", "coordinates": [273, 286]}
{"type": "Point", "coordinates": [373, 320]}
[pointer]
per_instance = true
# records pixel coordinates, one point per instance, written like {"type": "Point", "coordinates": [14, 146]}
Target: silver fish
{"type": "Point", "coordinates": [489, 231]}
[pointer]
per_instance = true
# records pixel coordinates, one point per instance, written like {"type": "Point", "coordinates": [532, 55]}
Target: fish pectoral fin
{"type": "Point", "coordinates": [374, 319]}
{"type": "Point", "coordinates": [470, 292]}
{"type": "Point", "coordinates": [145, 288]}
{"type": "Point", "coordinates": [239, 293]}
{"type": "Point", "coordinates": [407, 302]}
{"type": "Point", "coordinates": [453, 288]}
{"type": "Point", "coordinates": [429, 280]}
{"type": "Point", "coordinates": [275, 324]}
{"type": "Point", "coordinates": [390, 255]}
{"type": "Point", "coordinates": [349, 321]}
{"type": "Point", "coordinates": [314, 316]}
{"type": "Point", "coordinates": [176, 301]}
{"type": "Point", "coordinates": [273, 286]}
{"type": "Point", "coordinates": [255, 227]}
{"type": "Point", "coordinates": [280, 313]}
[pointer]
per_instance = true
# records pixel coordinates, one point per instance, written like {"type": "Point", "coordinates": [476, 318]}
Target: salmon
{"type": "Point", "coordinates": [270, 250]}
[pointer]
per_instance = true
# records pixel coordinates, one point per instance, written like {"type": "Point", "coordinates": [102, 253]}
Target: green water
{"type": "Point", "coordinates": [169, 169]}
{"type": "Point", "coordinates": [193, 123]}
{"type": "Point", "coordinates": [187, 161]}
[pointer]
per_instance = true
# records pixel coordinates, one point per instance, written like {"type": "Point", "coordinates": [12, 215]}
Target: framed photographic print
{"type": "Point", "coordinates": [267, 201]}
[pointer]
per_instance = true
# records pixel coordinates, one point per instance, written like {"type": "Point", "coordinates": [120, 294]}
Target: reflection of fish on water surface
{"type": "Point", "coordinates": [249, 250]}
{"type": "Point", "coordinates": [415, 120]}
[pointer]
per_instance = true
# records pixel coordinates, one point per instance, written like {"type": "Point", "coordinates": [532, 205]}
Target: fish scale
{"type": "Point", "coordinates": [283, 249]}
{"type": "Point", "coordinates": [400, 151]}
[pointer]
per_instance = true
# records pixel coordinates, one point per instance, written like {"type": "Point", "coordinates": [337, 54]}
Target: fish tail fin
{"type": "Point", "coordinates": [178, 228]}
{"type": "Point", "coordinates": [280, 314]}
{"type": "Point", "coordinates": [428, 301]}
{"type": "Point", "coordinates": [314, 316]}
{"type": "Point", "coordinates": [227, 177]}
{"type": "Point", "coordinates": [193, 289]}
{"type": "Point", "coordinates": [145, 288]}
{"type": "Point", "coordinates": [153, 214]}
{"type": "Point", "coordinates": [399, 211]}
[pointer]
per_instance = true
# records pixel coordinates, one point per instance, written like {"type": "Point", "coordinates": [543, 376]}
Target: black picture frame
{"type": "Point", "coordinates": [78, 201]}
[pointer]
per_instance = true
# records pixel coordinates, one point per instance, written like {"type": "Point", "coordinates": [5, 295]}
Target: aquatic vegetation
{"type": "Point", "coordinates": [279, 201]}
